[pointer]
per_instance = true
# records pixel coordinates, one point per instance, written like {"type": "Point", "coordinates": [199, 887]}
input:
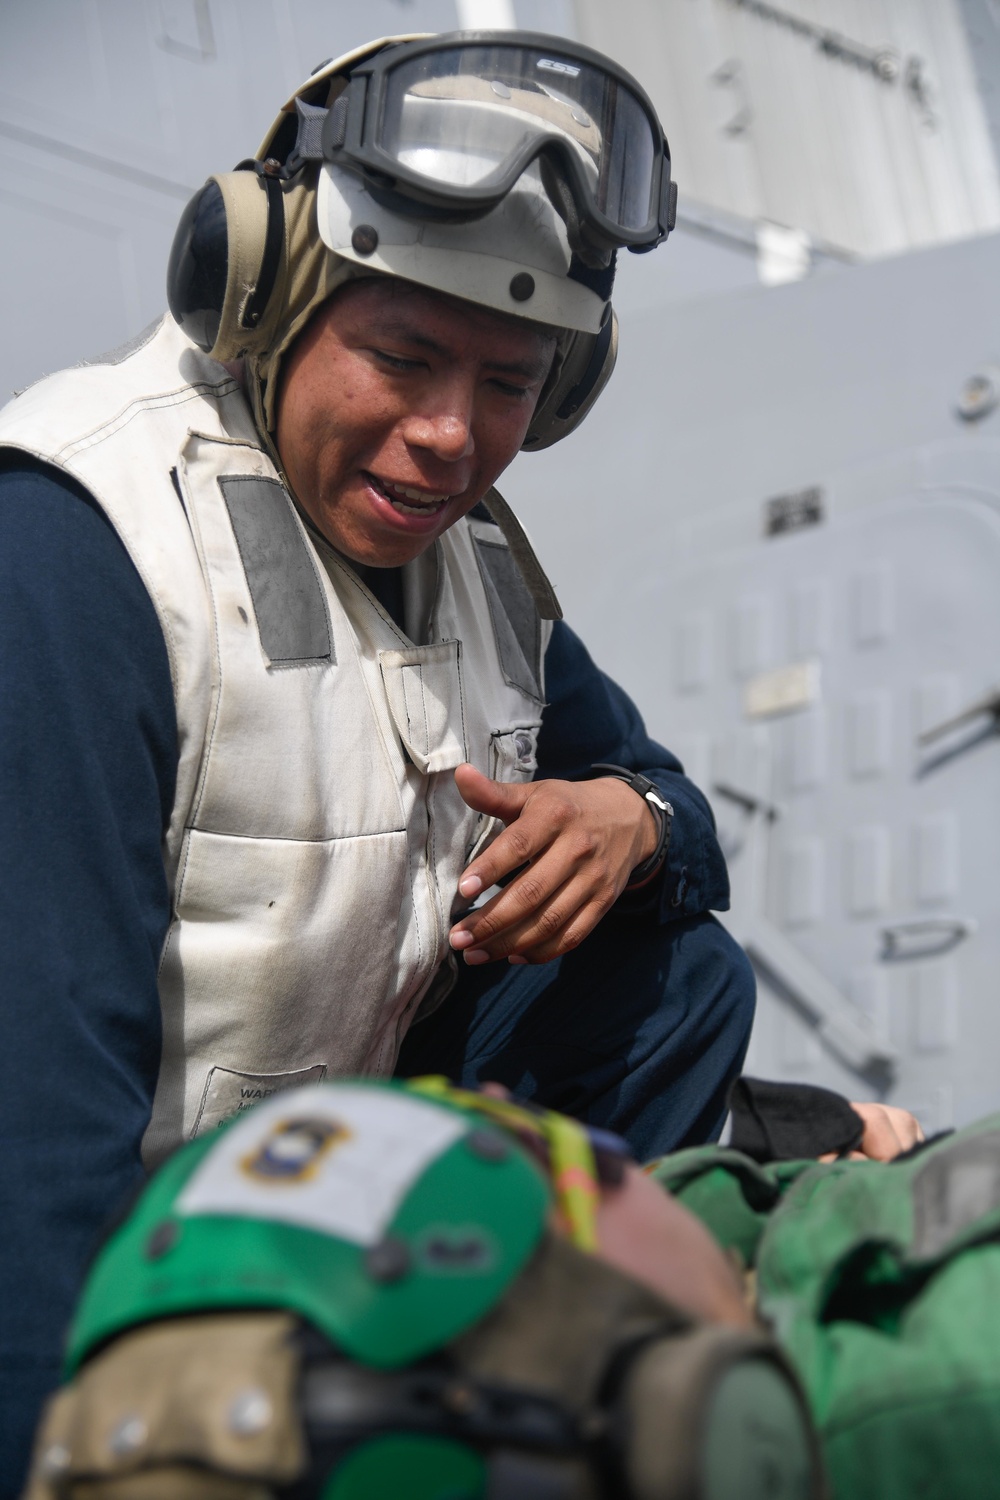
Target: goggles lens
{"type": "Point", "coordinates": [463, 116]}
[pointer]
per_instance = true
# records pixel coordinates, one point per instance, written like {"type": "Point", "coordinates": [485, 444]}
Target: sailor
{"type": "Point", "coordinates": [303, 774]}
{"type": "Point", "coordinates": [367, 1290]}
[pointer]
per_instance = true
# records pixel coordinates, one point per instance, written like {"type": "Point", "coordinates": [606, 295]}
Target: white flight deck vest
{"type": "Point", "coordinates": [316, 837]}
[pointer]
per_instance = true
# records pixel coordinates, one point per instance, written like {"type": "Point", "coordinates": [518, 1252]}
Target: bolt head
{"type": "Point", "coordinates": [162, 1237]}
{"type": "Point", "coordinates": [55, 1460]}
{"type": "Point", "coordinates": [979, 395]}
{"type": "Point", "coordinates": [128, 1436]}
{"type": "Point", "coordinates": [488, 1145]}
{"type": "Point", "coordinates": [364, 240]}
{"type": "Point", "coordinates": [250, 1412]}
{"type": "Point", "coordinates": [388, 1261]}
{"type": "Point", "coordinates": [887, 66]}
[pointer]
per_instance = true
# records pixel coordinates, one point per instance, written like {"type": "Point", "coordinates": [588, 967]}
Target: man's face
{"type": "Point", "coordinates": [398, 409]}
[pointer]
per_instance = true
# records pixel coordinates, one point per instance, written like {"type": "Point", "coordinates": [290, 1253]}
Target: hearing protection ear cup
{"type": "Point", "coordinates": [714, 1414]}
{"type": "Point", "coordinates": [586, 370]}
{"type": "Point", "coordinates": [226, 260]}
{"type": "Point", "coordinates": [198, 267]}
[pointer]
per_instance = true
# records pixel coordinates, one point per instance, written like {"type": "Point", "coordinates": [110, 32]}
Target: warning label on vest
{"type": "Point", "coordinates": [228, 1093]}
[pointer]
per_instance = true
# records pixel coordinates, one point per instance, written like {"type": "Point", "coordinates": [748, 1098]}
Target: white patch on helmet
{"type": "Point", "coordinates": [337, 1158]}
{"type": "Point", "coordinates": [476, 261]}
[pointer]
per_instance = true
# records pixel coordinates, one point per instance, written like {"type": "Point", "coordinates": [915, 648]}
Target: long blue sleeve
{"type": "Point", "coordinates": [590, 719]}
{"type": "Point", "coordinates": [88, 755]}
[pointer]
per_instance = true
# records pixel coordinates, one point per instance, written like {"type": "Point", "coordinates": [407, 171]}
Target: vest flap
{"type": "Point", "coordinates": [288, 601]}
{"type": "Point", "coordinates": [516, 621]}
{"type": "Point", "coordinates": [424, 689]}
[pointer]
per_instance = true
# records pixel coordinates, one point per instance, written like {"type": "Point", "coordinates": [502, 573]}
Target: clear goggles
{"type": "Point", "coordinates": [450, 124]}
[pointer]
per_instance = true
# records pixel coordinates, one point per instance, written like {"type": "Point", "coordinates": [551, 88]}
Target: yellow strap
{"type": "Point", "coordinates": [574, 1177]}
{"type": "Point", "coordinates": [571, 1157]}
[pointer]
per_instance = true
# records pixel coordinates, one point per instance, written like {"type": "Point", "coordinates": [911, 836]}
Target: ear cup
{"type": "Point", "coordinates": [226, 260]}
{"type": "Point", "coordinates": [199, 266]}
{"type": "Point", "coordinates": [586, 370]}
{"type": "Point", "coordinates": [715, 1414]}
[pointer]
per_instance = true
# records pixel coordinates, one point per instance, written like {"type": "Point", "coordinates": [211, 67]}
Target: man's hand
{"type": "Point", "coordinates": [888, 1131]}
{"type": "Point", "coordinates": [579, 841]}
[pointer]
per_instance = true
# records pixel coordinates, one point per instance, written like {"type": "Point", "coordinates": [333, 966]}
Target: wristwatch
{"type": "Point", "coordinates": [662, 812]}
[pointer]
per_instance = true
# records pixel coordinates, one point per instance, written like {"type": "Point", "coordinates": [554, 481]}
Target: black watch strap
{"type": "Point", "coordinates": [662, 811]}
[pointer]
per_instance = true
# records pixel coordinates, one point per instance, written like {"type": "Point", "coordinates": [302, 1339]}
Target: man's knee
{"type": "Point", "coordinates": [730, 986]}
{"type": "Point", "coordinates": [704, 976]}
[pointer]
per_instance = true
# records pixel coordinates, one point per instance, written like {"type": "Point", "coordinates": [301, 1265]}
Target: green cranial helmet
{"type": "Point", "coordinates": [358, 1291]}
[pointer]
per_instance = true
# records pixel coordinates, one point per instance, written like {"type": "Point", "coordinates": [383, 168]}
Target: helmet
{"type": "Point", "coordinates": [356, 1291]}
{"type": "Point", "coordinates": [505, 168]}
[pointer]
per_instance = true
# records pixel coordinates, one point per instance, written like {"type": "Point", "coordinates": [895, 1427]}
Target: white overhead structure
{"type": "Point", "coordinates": [859, 122]}
{"type": "Point", "coordinates": [486, 15]}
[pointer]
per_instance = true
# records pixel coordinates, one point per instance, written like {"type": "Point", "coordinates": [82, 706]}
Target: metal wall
{"type": "Point", "coordinates": [858, 121]}
{"type": "Point", "coordinates": [778, 532]}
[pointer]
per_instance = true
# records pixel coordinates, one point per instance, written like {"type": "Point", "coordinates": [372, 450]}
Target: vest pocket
{"type": "Point", "coordinates": [285, 954]}
{"type": "Point", "coordinates": [512, 757]}
{"type": "Point", "coordinates": [424, 689]}
{"type": "Point", "coordinates": [229, 1092]}
{"type": "Point", "coordinates": [514, 753]}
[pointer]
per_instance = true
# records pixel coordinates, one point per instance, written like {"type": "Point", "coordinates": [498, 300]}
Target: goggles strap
{"type": "Point", "coordinates": [309, 140]}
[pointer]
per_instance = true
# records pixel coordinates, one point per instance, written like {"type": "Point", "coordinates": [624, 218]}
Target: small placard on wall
{"type": "Point", "coordinates": [782, 690]}
{"type": "Point", "coordinates": [793, 512]}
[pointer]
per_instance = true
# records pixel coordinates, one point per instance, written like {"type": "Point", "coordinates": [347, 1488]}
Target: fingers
{"type": "Point", "coordinates": [888, 1130]}
{"type": "Point", "coordinates": [522, 842]}
{"type": "Point", "coordinates": [495, 1090]}
{"type": "Point", "coordinates": [528, 843]}
{"type": "Point", "coordinates": [547, 813]}
{"type": "Point", "coordinates": [538, 917]}
{"type": "Point", "coordinates": [570, 847]}
{"type": "Point", "coordinates": [499, 799]}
